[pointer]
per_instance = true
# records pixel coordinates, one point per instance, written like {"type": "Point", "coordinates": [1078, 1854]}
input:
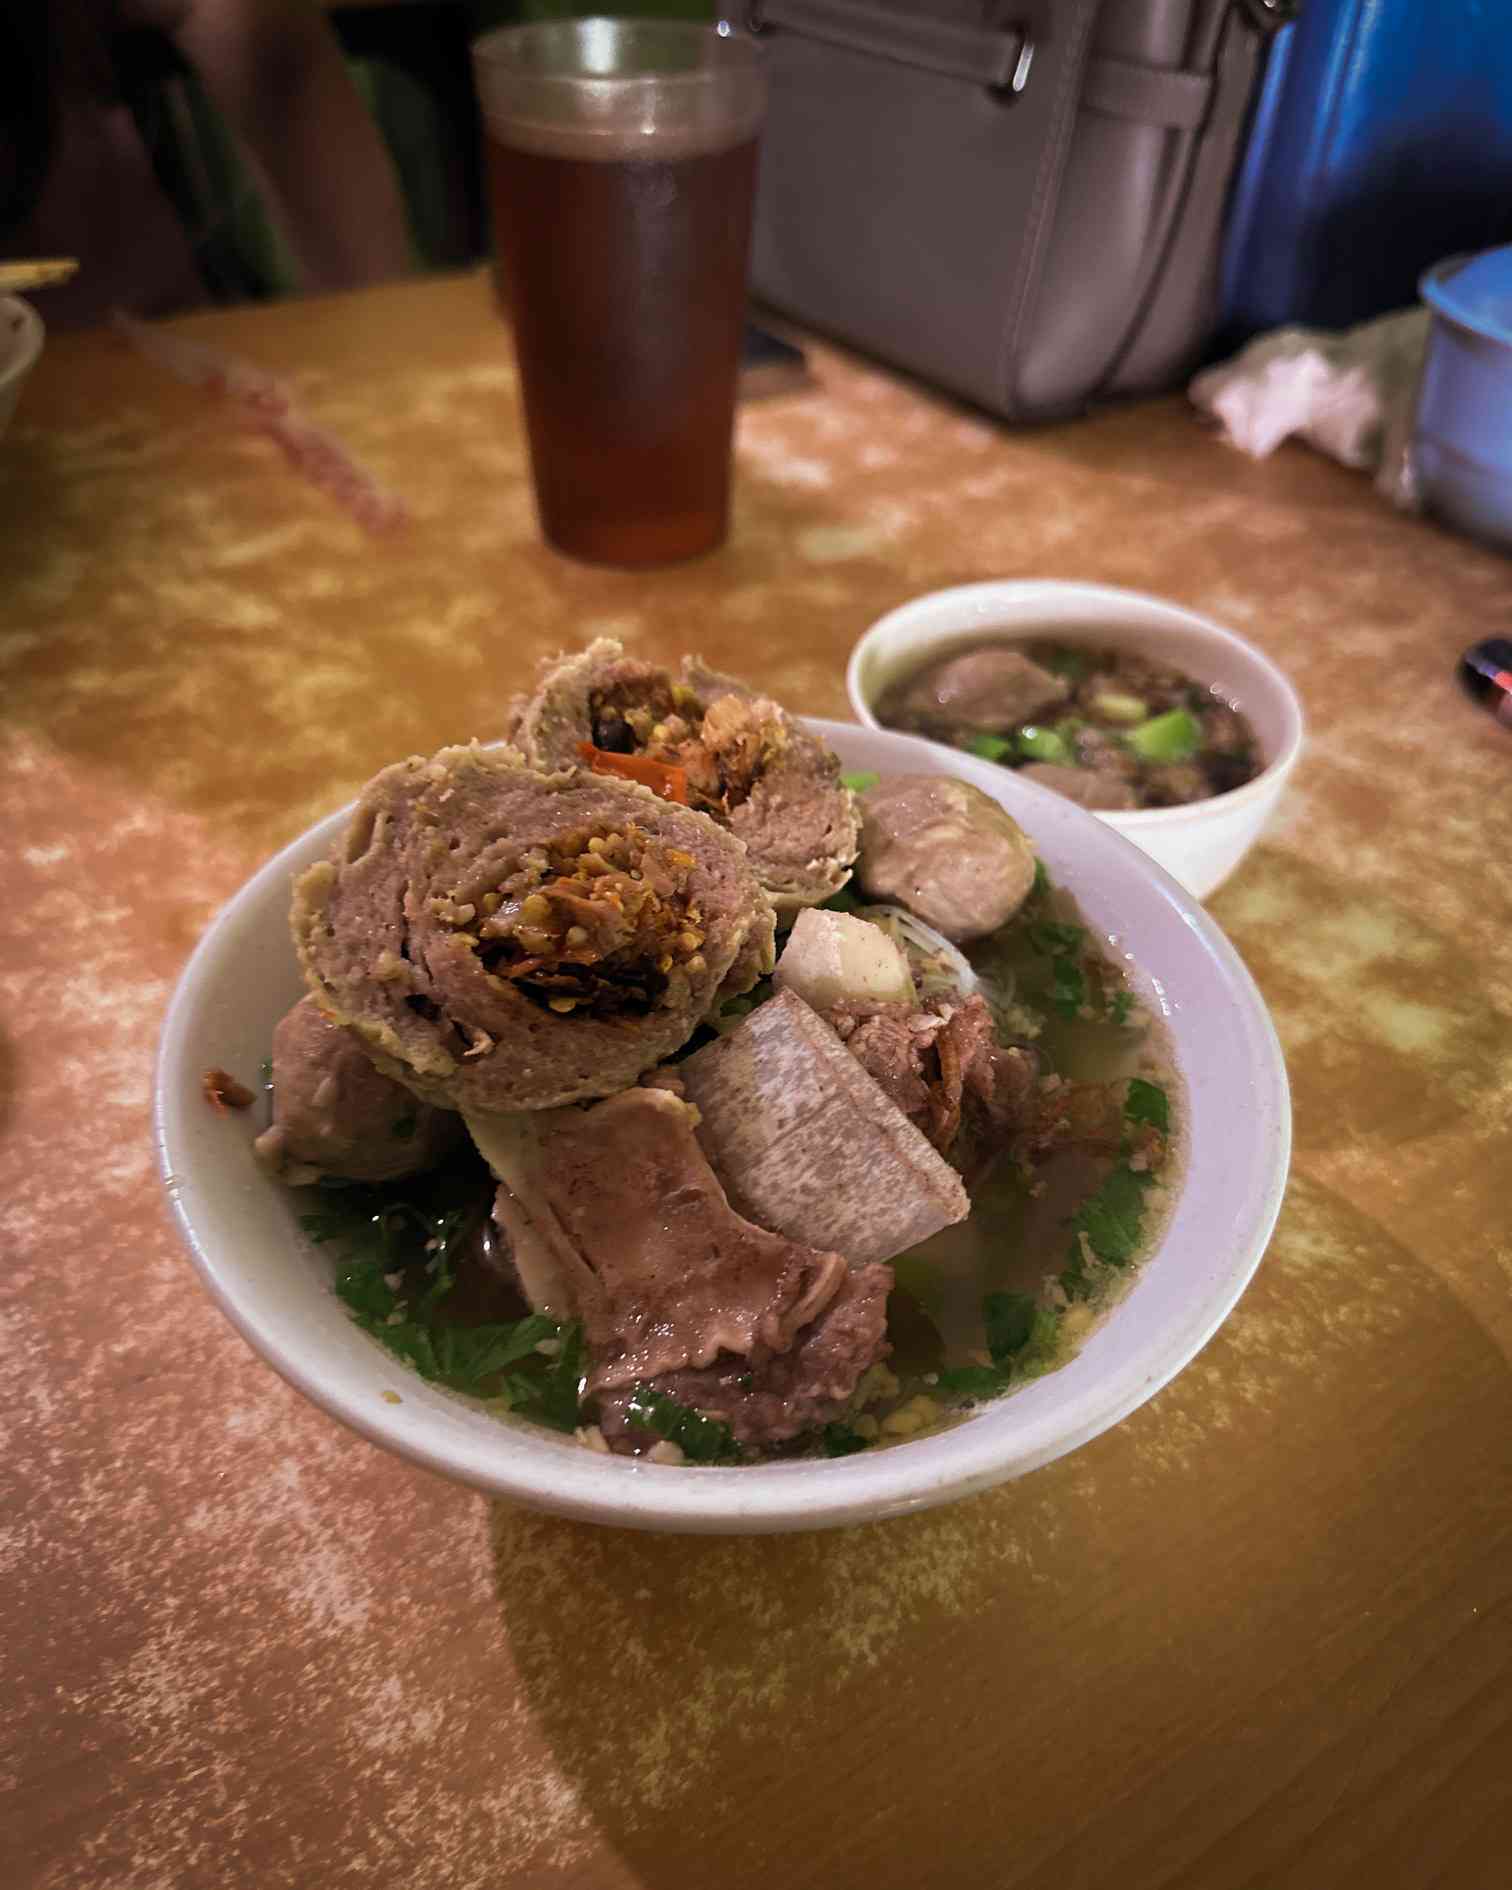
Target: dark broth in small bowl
{"type": "Point", "coordinates": [1104, 725]}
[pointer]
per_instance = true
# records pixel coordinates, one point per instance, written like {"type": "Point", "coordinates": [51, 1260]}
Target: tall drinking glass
{"type": "Point", "coordinates": [622, 164]}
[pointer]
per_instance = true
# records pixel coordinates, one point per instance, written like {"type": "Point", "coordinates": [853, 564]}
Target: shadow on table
{"type": "Point", "coordinates": [1003, 1690]}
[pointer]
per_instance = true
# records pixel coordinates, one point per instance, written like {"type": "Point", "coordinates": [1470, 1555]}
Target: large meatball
{"type": "Point", "coordinates": [745, 761]}
{"type": "Point", "coordinates": [503, 939]}
{"type": "Point", "coordinates": [946, 851]}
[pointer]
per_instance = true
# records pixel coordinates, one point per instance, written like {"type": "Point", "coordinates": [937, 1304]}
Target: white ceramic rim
{"type": "Point", "coordinates": [29, 337]}
{"type": "Point", "coordinates": [1013, 592]}
{"type": "Point", "coordinates": [1005, 1439]}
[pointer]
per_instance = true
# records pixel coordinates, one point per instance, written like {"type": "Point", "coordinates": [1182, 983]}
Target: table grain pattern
{"type": "Point", "coordinates": [1258, 1637]}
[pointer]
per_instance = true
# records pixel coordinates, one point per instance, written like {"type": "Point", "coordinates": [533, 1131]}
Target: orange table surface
{"type": "Point", "coordinates": [1258, 1637]}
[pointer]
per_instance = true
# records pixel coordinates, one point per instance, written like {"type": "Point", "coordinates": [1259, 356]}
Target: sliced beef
{"type": "Point", "coordinates": [986, 690]}
{"type": "Point", "coordinates": [1104, 753]}
{"type": "Point", "coordinates": [946, 851]}
{"type": "Point", "coordinates": [942, 1064]}
{"type": "Point", "coordinates": [889, 1042]}
{"type": "Point", "coordinates": [644, 1247]}
{"type": "Point", "coordinates": [771, 1398]}
{"type": "Point", "coordinates": [335, 1113]}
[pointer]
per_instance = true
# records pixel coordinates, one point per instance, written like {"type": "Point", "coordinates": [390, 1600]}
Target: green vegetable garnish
{"type": "Point", "coordinates": [1009, 1319]}
{"type": "Point", "coordinates": [1042, 744]}
{"type": "Point", "coordinates": [971, 1381]}
{"type": "Point", "coordinates": [1041, 886]}
{"type": "Point", "coordinates": [839, 1440]}
{"type": "Point", "coordinates": [1173, 736]}
{"type": "Point", "coordinates": [1122, 1004]}
{"type": "Point", "coordinates": [989, 747]}
{"type": "Point", "coordinates": [464, 1358]}
{"type": "Point", "coordinates": [558, 1402]}
{"type": "Point", "coordinates": [1147, 1102]}
{"type": "Point", "coordinates": [859, 783]}
{"type": "Point", "coordinates": [1022, 1336]}
{"type": "Point", "coordinates": [1113, 1218]}
{"type": "Point", "coordinates": [701, 1439]}
{"type": "Point", "coordinates": [1065, 661]}
{"type": "Point", "coordinates": [843, 901]}
{"type": "Point", "coordinates": [405, 1127]}
{"type": "Point", "coordinates": [1068, 990]}
{"type": "Point", "coordinates": [1052, 938]}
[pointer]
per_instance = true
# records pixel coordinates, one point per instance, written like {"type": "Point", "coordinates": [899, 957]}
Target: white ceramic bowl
{"type": "Point", "coordinates": [21, 336]}
{"type": "Point", "coordinates": [1200, 844]}
{"type": "Point", "coordinates": [244, 1238]}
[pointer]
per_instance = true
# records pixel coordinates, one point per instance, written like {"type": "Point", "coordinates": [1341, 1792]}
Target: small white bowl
{"type": "Point", "coordinates": [21, 337]}
{"type": "Point", "coordinates": [244, 1237]}
{"type": "Point", "coordinates": [1199, 844]}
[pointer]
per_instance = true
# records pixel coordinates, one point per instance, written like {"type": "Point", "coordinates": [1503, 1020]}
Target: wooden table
{"type": "Point", "coordinates": [1255, 1638]}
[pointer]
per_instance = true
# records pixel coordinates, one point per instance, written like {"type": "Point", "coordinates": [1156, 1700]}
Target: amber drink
{"type": "Point", "coordinates": [622, 162]}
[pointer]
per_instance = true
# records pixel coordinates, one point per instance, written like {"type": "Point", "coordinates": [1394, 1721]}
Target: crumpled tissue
{"type": "Point", "coordinates": [1352, 395]}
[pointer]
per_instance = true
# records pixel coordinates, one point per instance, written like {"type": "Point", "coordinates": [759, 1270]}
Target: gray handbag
{"type": "Point", "coordinates": [1021, 202]}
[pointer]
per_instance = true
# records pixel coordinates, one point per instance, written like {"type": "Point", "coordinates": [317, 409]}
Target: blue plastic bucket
{"type": "Point", "coordinates": [1463, 434]}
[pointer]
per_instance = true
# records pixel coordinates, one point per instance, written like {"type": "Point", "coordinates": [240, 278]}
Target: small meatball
{"type": "Point", "coordinates": [1082, 785]}
{"type": "Point", "coordinates": [1223, 733]}
{"type": "Point", "coordinates": [1096, 749]}
{"type": "Point", "coordinates": [334, 1113]}
{"type": "Point", "coordinates": [1175, 783]}
{"type": "Point", "coordinates": [978, 692]}
{"type": "Point", "coordinates": [946, 851]}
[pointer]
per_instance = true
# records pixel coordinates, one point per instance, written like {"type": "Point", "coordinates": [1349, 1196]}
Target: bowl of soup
{"type": "Point", "coordinates": [1000, 1170]}
{"type": "Point", "coordinates": [1167, 726]}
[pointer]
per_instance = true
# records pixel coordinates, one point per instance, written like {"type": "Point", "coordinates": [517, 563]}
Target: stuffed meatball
{"type": "Point", "coordinates": [708, 740]}
{"type": "Point", "coordinates": [503, 939]}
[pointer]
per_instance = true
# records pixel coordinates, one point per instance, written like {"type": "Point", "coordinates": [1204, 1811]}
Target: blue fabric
{"type": "Point", "coordinates": [1382, 141]}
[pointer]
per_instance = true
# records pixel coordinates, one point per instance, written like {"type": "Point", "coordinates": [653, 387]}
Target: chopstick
{"type": "Point", "coordinates": [41, 273]}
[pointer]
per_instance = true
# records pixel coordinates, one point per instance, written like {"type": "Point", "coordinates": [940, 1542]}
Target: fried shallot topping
{"type": "Point", "coordinates": [719, 751]}
{"type": "Point", "coordinates": [597, 922]}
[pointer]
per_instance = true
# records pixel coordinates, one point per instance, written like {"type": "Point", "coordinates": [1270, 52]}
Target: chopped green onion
{"type": "Point", "coordinates": [1173, 736]}
{"type": "Point", "coordinates": [989, 747]}
{"type": "Point", "coordinates": [859, 783]}
{"type": "Point", "coordinates": [1042, 744]}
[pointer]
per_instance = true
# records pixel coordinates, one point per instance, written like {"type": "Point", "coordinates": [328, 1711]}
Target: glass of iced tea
{"type": "Point", "coordinates": [622, 164]}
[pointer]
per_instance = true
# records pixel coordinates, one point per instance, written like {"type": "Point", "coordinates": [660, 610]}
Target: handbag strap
{"type": "Point", "coordinates": [998, 58]}
{"type": "Point", "coordinates": [1224, 17]}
